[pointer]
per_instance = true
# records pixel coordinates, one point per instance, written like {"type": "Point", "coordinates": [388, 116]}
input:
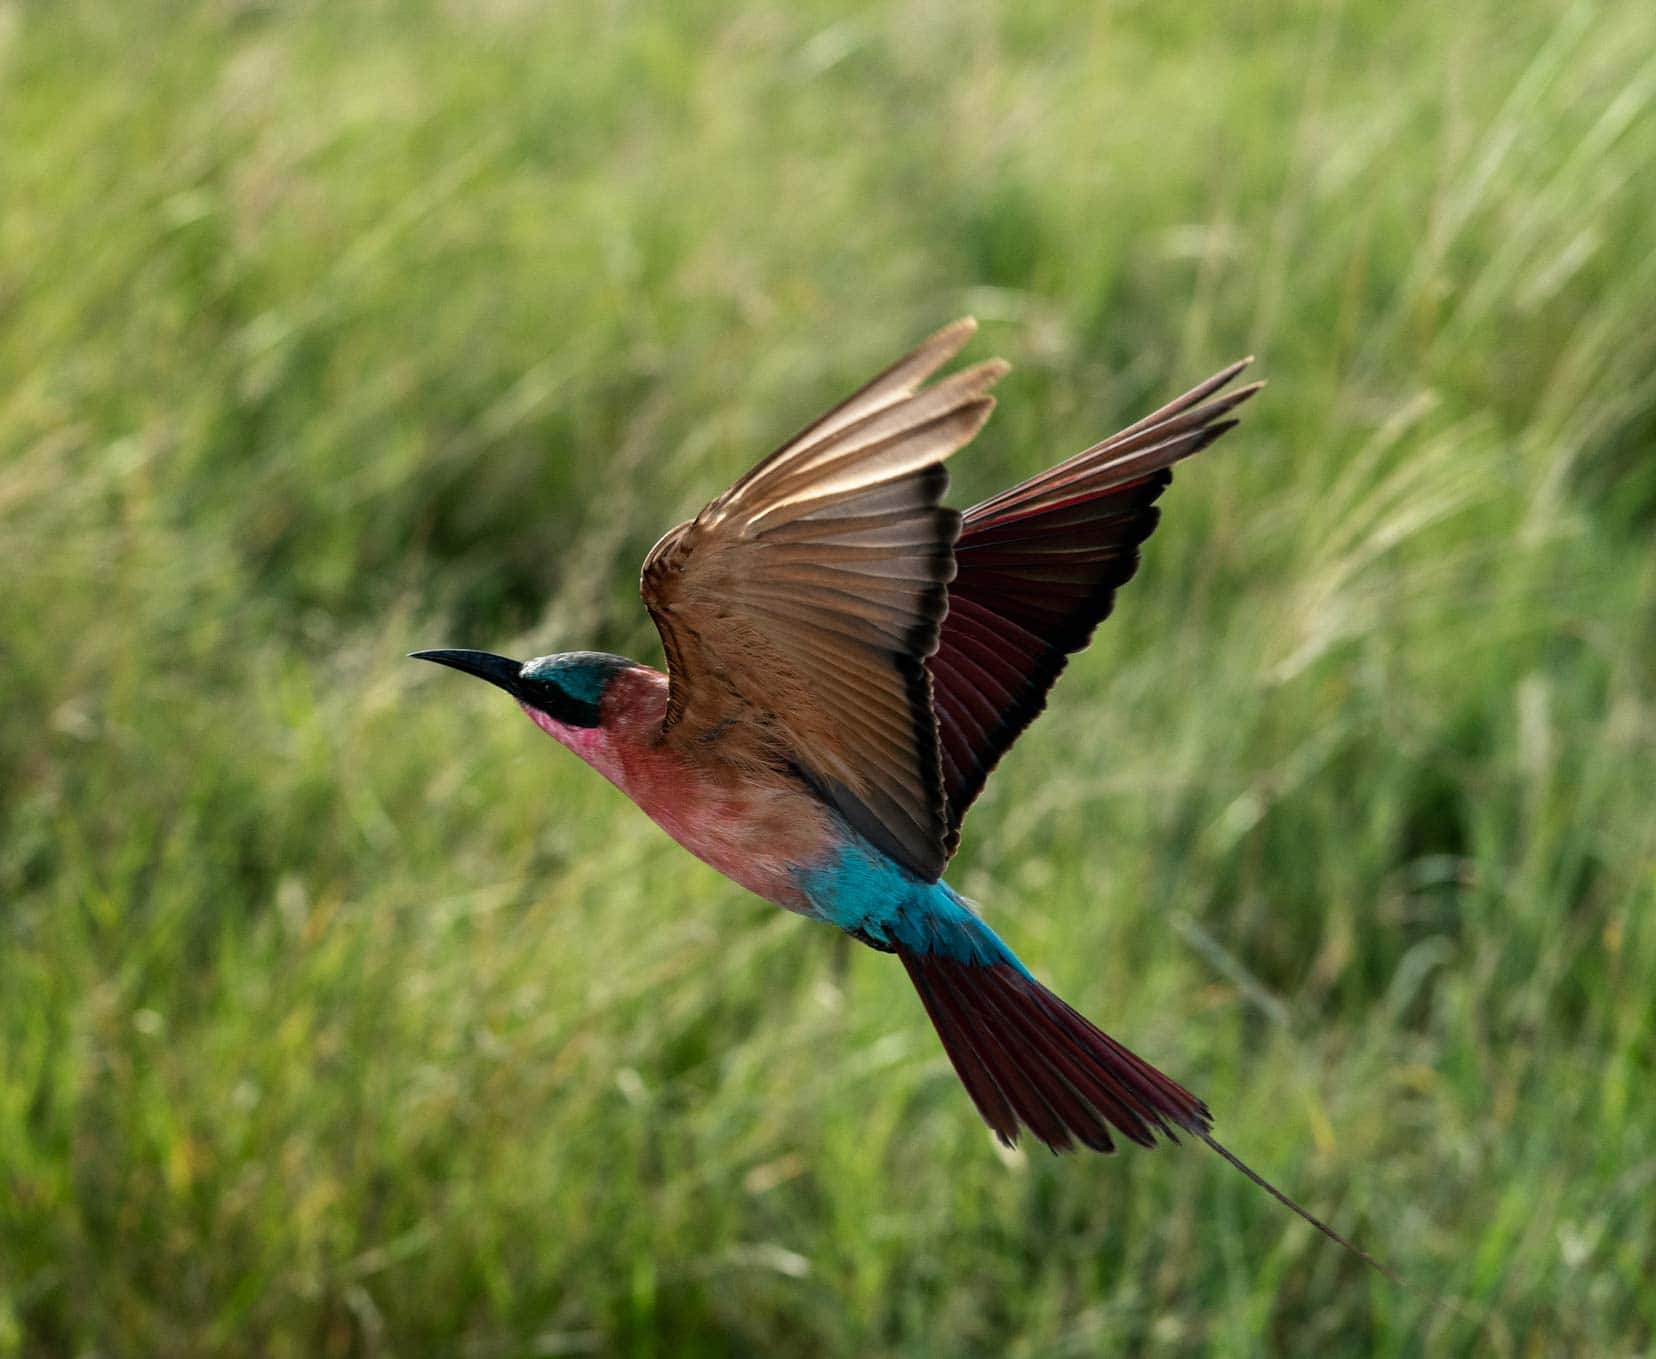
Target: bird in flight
{"type": "Point", "coordinates": [847, 660]}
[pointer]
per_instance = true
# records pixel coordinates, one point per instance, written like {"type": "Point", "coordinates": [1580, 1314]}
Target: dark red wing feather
{"type": "Point", "coordinates": [1037, 569]}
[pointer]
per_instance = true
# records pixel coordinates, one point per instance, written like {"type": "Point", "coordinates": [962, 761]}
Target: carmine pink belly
{"type": "Point", "coordinates": [755, 840]}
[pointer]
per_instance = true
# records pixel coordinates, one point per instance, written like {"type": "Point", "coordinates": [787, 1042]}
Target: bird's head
{"type": "Point", "coordinates": [569, 689]}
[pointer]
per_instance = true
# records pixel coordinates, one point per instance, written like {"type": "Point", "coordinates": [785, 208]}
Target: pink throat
{"type": "Point", "coordinates": [755, 830]}
{"type": "Point", "coordinates": [618, 747]}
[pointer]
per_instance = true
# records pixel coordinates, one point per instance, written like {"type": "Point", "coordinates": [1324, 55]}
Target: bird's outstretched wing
{"type": "Point", "coordinates": [1038, 567]}
{"type": "Point", "coordinates": [801, 604]}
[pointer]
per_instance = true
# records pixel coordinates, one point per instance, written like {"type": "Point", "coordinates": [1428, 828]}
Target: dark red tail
{"type": "Point", "coordinates": [1030, 1061]}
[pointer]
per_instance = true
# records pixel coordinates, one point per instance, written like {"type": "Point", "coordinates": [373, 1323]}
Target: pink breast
{"type": "Point", "coordinates": [755, 831]}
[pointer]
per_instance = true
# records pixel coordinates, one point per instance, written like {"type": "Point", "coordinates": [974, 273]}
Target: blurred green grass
{"type": "Point", "coordinates": [341, 1014]}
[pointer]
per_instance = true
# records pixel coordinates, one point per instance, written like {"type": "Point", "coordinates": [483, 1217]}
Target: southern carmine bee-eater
{"type": "Point", "coordinates": [847, 660]}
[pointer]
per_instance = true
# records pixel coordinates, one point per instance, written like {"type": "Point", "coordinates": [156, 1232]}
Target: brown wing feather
{"type": "Point", "coordinates": [799, 607]}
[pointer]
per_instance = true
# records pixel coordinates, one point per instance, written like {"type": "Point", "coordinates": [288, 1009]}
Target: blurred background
{"type": "Point", "coordinates": [342, 1014]}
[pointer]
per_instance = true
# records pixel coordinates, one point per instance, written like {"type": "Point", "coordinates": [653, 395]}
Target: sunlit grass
{"type": "Point", "coordinates": [340, 1013]}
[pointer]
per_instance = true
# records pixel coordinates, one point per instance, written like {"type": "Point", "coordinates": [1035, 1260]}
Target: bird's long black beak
{"type": "Point", "coordinates": [498, 670]}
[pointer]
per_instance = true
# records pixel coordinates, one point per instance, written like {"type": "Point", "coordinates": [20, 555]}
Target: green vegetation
{"type": "Point", "coordinates": [342, 1014]}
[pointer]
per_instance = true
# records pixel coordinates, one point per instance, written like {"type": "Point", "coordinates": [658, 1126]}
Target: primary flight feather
{"type": "Point", "coordinates": [847, 660]}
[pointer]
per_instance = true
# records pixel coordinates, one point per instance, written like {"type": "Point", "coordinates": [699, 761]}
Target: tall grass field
{"type": "Point", "coordinates": [342, 1014]}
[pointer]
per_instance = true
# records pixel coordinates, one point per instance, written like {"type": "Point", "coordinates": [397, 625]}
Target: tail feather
{"type": "Point", "coordinates": [1027, 1087]}
{"type": "Point", "coordinates": [1059, 1081]}
{"type": "Point", "coordinates": [1030, 1061]}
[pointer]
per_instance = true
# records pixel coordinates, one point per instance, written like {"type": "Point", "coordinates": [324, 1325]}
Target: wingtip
{"type": "Point", "coordinates": [980, 377]}
{"type": "Point", "coordinates": [952, 337]}
{"type": "Point", "coordinates": [1230, 400]}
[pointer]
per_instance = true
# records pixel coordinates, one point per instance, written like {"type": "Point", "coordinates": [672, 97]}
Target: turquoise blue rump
{"type": "Point", "coordinates": [871, 896]}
